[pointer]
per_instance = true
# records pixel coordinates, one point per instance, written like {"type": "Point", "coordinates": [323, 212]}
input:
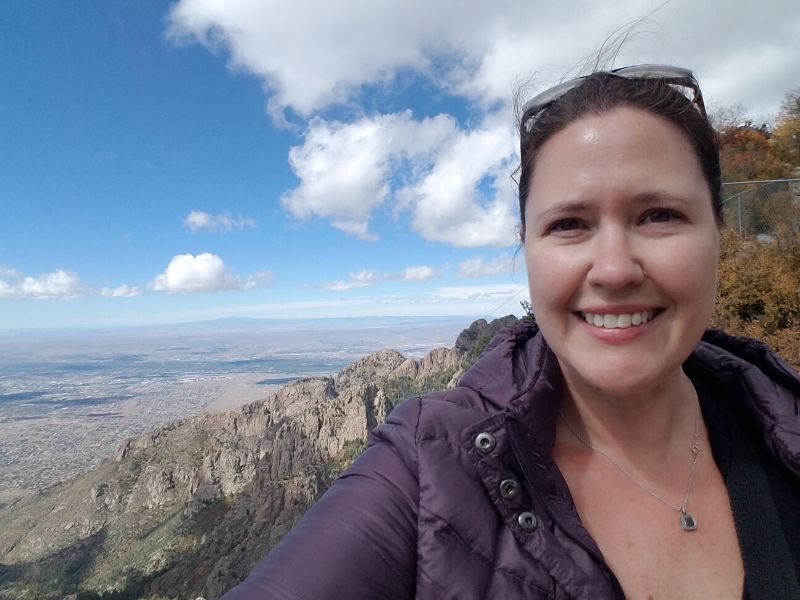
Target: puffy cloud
{"type": "Point", "coordinates": [58, 284]}
{"type": "Point", "coordinates": [121, 291]}
{"type": "Point", "coordinates": [419, 273]}
{"type": "Point", "coordinates": [310, 55]}
{"type": "Point", "coordinates": [454, 183]}
{"type": "Point", "coordinates": [474, 268]}
{"type": "Point", "coordinates": [467, 198]}
{"type": "Point", "coordinates": [205, 272]}
{"type": "Point", "coordinates": [198, 219]}
{"type": "Point", "coordinates": [345, 169]}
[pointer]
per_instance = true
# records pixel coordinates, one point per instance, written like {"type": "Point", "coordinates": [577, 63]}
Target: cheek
{"type": "Point", "coordinates": [536, 276]}
{"type": "Point", "coordinates": [690, 272]}
{"type": "Point", "coordinates": [554, 276]}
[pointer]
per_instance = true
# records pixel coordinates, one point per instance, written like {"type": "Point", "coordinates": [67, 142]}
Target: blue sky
{"type": "Point", "coordinates": [174, 161]}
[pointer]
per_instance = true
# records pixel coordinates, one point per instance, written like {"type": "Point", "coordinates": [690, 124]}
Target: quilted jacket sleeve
{"type": "Point", "coordinates": [359, 540]}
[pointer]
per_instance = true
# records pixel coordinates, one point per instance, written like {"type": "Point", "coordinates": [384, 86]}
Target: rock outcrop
{"type": "Point", "coordinates": [187, 510]}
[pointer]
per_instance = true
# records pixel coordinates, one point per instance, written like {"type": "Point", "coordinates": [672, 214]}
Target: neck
{"type": "Point", "coordinates": [650, 424]}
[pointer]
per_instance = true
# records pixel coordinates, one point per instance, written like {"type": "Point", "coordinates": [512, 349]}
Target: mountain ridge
{"type": "Point", "coordinates": [186, 510]}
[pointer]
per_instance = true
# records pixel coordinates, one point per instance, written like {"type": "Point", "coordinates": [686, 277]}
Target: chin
{"type": "Point", "coordinates": [624, 387]}
{"type": "Point", "coordinates": [630, 379]}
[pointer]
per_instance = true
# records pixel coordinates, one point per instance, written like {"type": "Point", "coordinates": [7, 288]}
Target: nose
{"type": "Point", "coordinates": [614, 261]}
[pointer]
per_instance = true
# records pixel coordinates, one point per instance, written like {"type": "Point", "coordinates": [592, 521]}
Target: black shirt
{"type": "Point", "coordinates": [764, 497]}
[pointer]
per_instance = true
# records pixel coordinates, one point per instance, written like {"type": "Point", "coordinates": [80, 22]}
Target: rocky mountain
{"type": "Point", "coordinates": [187, 510]}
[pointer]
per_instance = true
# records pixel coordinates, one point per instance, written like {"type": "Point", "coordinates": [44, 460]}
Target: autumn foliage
{"type": "Point", "coordinates": [759, 293]}
{"type": "Point", "coordinates": [759, 273]}
{"type": "Point", "coordinates": [746, 154]}
{"type": "Point", "coordinates": [786, 134]}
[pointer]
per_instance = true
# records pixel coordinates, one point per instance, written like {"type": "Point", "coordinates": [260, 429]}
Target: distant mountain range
{"type": "Point", "coordinates": [187, 510]}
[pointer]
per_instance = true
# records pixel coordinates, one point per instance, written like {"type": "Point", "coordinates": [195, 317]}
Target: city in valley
{"type": "Point", "coordinates": [68, 398]}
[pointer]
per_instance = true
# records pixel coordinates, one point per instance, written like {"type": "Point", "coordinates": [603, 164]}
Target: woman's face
{"type": "Point", "coordinates": [621, 248]}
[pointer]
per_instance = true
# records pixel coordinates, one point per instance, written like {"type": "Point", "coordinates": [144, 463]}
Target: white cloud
{"type": "Point", "coordinates": [456, 184]}
{"type": "Point", "coordinates": [205, 272]}
{"type": "Point", "coordinates": [419, 273]}
{"type": "Point", "coordinates": [453, 181]}
{"type": "Point", "coordinates": [310, 55]}
{"type": "Point", "coordinates": [472, 292]}
{"type": "Point", "coordinates": [363, 278]}
{"type": "Point", "coordinates": [467, 198]}
{"type": "Point", "coordinates": [257, 279]}
{"type": "Point", "coordinates": [367, 277]}
{"type": "Point", "coordinates": [121, 291]}
{"type": "Point", "coordinates": [474, 268]}
{"type": "Point", "coordinates": [198, 219]}
{"type": "Point", "coordinates": [345, 169]}
{"type": "Point", "coordinates": [58, 284]}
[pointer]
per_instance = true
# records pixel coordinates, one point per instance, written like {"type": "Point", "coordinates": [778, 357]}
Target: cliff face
{"type": "Point", "coordinates": [188, 509]}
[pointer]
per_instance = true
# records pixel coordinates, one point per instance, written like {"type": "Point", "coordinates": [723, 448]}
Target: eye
{"type": "Point", "coordinates": [661, 215]}
{"type": "Point", "coordinates": [565, 225]}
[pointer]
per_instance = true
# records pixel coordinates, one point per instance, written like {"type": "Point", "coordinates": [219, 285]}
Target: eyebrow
{"type": "Point", "coordinates": [567, 206]}
{"type": "Point", "coordinates": [656, 196]}
{"type": "Point", "coordinates": [646, 198]}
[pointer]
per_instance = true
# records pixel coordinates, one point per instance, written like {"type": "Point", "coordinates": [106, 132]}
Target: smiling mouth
{"type": "Point", "coordinates": [620, 321]}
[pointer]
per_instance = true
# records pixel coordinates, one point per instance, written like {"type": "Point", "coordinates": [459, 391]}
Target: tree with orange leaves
{"type": "Point", "coordinates": [746, 154]}
{"type": "Point", "coordinates": [786, 134]}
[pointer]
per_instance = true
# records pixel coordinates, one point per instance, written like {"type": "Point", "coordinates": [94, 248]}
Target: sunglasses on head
{"type": "Point", "coordinates": [675, 76]}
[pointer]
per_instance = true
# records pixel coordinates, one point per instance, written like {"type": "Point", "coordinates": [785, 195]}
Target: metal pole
{"type": "Point", "coordinates": [739, 208]}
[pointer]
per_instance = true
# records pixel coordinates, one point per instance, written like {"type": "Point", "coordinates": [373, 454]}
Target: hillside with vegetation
{"type": "Point", "coordinates": [759, 275]}
{"type": "Point", "coordinates": [187, 510]}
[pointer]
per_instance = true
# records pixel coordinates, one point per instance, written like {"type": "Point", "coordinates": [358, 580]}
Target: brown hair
{"type": "Point", "coordinates": [602, 92]}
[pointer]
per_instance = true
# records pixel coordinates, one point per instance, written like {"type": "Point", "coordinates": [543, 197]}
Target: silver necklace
{"type": "Point", "coordinates": [688, 522]}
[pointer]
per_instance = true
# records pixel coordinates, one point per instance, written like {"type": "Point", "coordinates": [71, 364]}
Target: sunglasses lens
{"type": "Point", "coordinates": [680, 78]}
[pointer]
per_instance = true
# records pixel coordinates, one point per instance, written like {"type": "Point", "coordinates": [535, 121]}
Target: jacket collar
{"type": "Point", "coordinates": [519, 374]}
{"type": "Point", "coordinates": [767, 385]}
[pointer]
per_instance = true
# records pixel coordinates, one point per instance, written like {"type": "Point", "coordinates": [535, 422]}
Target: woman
{"type": "Point", "coordinates": [611, 454]}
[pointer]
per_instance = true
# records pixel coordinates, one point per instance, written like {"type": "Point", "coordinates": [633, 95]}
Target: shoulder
{"type": "Point", "coordinates": [752, 373]}
{"type": "Point", "coordinates": [744, 361]}
{"type": "Point", "coordinates": [441, 415]}
{"type": "Point", "coordinates": [501, 380]}
{"type": "Point", "coordinates": [742, 354]}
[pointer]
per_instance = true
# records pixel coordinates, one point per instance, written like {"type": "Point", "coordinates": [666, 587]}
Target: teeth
{"type": "Point", "coordinates": [622, 321]}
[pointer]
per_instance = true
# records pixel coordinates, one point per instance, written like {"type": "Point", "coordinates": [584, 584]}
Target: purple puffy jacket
{"type": "Point", "coordinates": [457, 497]}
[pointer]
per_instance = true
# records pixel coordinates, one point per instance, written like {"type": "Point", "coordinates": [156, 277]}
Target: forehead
{"type": "Point", "coordinates": [619, 154]}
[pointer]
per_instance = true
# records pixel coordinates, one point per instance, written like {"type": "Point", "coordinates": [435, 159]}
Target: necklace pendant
{"type": "Point", "coordinates": [688, 522]}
